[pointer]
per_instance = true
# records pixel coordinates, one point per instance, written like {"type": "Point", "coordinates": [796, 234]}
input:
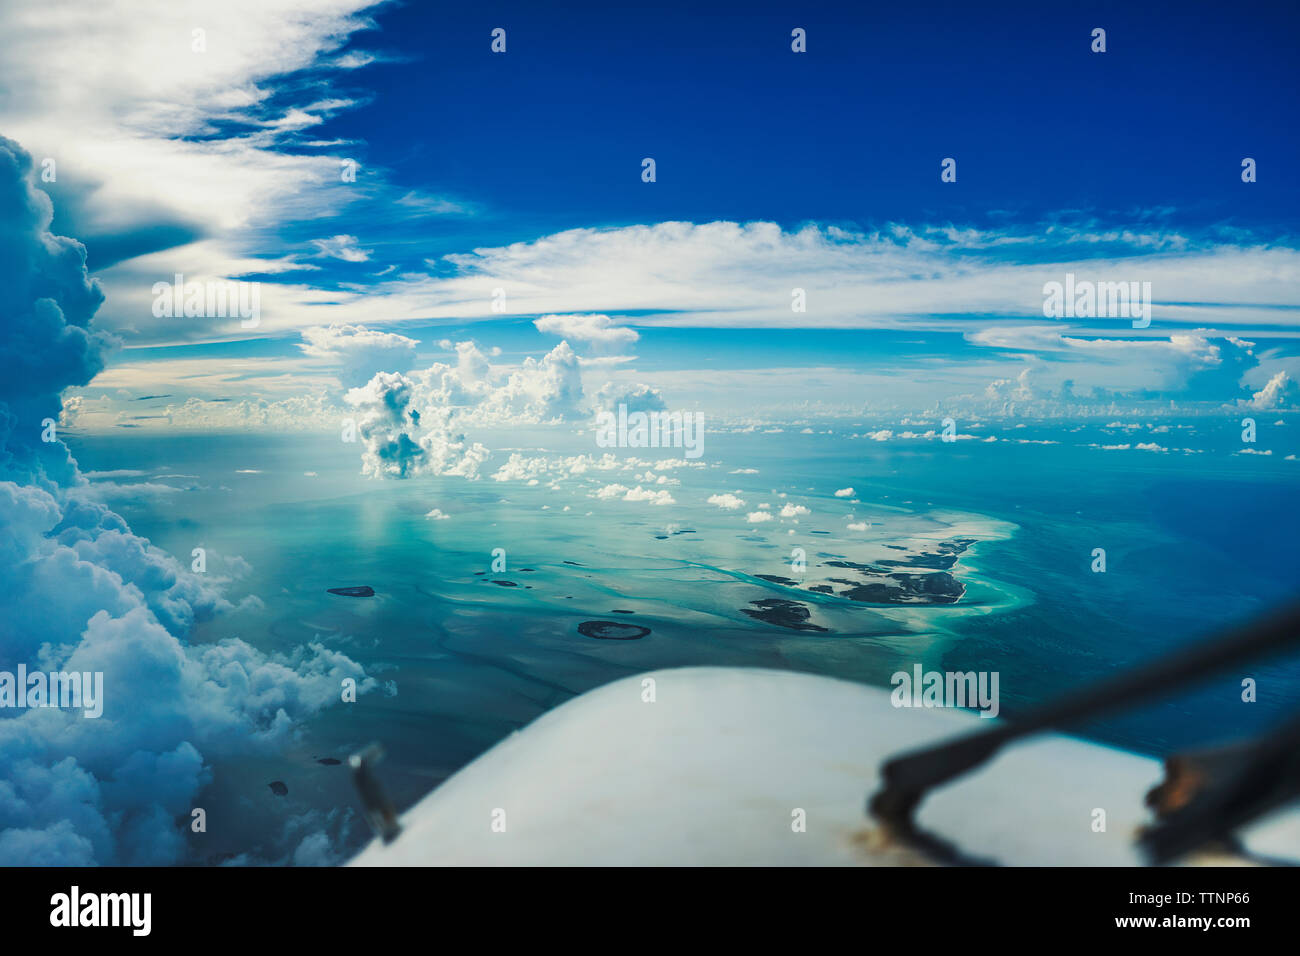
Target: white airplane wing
{"type": "Point", "coordinates": [733, 766]}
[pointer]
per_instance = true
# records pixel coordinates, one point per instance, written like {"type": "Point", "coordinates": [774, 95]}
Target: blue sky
{"type": "Point", "coordinates": [549, 136]}
{"type": "Point", "coordinates": [775, 170]}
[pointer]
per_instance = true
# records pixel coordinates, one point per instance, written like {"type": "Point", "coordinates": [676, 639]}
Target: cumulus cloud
{"type": "Point", "coordinates": [1282, 391]}
{"type": "Point", "coordinates": [45, 298]}
{"type": "Point", "coordinates": [1066, 366]}
{"type": "Point", "coordinates": [637, 398]}
{"type": "Point", "coordinates": [653, 496]}
{"type": "Point", "coordinates": [1006, 389]}
{"type": "Point", "coordinates": [556, 468]}
{"type": "Point", "coordinates": [414, 423]}
{"type": "Point", "coordinates": [84, 593]}
{"type": "Point", "coordinates": [359, 352]}
{"type": "Point", "coordinates": [537, 390]}
{"type": "Point", "coordinates": [296, 413]}
{"type": "Point", "coordinates": [399, 441]}
{"type": "Point", "coordinates": [727, 501]}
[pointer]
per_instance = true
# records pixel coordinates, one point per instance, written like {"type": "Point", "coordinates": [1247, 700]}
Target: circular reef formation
{"type": "Point", "coordinates": [612, 630]}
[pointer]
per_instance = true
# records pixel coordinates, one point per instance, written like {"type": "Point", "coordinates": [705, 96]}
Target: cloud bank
{"type": "Point", "coordinates": [83, 593]}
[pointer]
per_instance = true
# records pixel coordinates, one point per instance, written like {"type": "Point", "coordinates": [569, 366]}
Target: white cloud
{"type": "Point", "coordinates": [89, 595]}
{"type": "Point", "coordinates": [341, 247]}
{"type": "Point", "coordinates": [739, 275]}
{"type": "Point", "coordinates": [299, 413]}
{"type": "Point", "coordinates": [654, 497]}
{"type": "Point", "coordinates": [1112, 363]}
{"type": "Point", "coordinates": [1282, 391]}
{"type": "Point", "coordinates": [520, 468]}
{"type": "Point", "coordinates": [728, 274]}
{"type": "Point", "coordinates": [400, 441]}
{"type": "Point", "coordinates": [637, 398]}
{"type": "Point", "coordinates": [128, 106]}
{"type": "Point", "coordinates": [594, 329]}
{"type": "Point", "coordinates": [727, 501]}
{"type": "Point", "coordinates": [624, 493]}
{"type": "Point", "coordinates": [360, 352]}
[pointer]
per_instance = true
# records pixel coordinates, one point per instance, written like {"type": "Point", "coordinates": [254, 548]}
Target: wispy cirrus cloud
{"type": "Point", "coordinates": [178, 139]}
{"type": "Point", "coordinates": [745, 275]}
{"type": "Point", "coordinates": [341, 247]}
{"type": "Point", "coordinates": [174, 111]}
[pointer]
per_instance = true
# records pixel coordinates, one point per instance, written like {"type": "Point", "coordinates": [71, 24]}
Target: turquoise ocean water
{"type": "Point", "coordinates": [1192, 541]}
